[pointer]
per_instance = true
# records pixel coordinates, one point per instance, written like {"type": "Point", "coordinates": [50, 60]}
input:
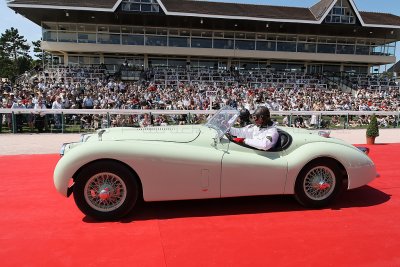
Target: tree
{"type": "Point", "coordinates": [6, 68]}
{"type": "Point", "coordinates": [14, 54]}
{"type": "Point", "coordinates": [43, 57]}
{"type": "Point", "coordinates": [14, 45]}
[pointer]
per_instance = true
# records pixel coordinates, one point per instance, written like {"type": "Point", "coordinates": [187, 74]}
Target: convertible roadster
{"type": "Point", "coordinates": [110, 171]}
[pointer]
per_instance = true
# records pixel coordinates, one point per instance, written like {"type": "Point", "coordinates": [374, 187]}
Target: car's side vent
{"type": "Point", "coordinates": [156, 129]}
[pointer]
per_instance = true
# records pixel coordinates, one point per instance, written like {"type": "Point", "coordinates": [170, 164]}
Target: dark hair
{"type": "Point", "coordinates": [263, 112]}
{"type": "Point", "coordinates": [244, 116]}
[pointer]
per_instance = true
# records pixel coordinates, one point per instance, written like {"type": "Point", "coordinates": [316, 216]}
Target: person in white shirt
{"type": "Point", "coordinates": [57, 117]}
{"type": "Point", "coordinates": [262, 135]}
{"type": "Point", "coordinates": [19, 117]}
{"type": "Point", "coordinates": [40, 117]}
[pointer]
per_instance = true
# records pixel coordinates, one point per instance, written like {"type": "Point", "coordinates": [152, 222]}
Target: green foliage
{"type": "Point", "coordinates": [42, 56]}
{"type": "Point", "coordinates": [14, 54]}
{"type": "Point", "coordinates": [373, 128]}
{"type": "Point", "coordinates": [6, 68]}
{"type": "Point", "coordinates": [14, 45]}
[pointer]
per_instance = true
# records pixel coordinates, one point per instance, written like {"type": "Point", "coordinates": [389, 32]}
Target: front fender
{"type": "Point", "coordinates": [88, 152]}
{"type": "Point", "coordinates": [359, 167]}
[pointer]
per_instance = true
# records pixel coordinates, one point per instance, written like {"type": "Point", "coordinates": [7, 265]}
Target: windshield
{"type": "Point", "coordinates": [223, 120]}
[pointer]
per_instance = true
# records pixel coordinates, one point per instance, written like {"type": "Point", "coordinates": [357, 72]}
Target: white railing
{"type": "Point", "coordinates": [178, 112]}
{"type": "Point", "coordinates": [13, 123]}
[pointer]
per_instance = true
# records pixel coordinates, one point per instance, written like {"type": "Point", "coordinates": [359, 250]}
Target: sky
{"type": "Point", "coordinates": [32, 32]}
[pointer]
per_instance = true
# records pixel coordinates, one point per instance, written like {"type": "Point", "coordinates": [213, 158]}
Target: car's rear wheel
{"type": "Point", "coordinates": [106, 190]}
{"type": "Point", "coordinates": [318, 183]}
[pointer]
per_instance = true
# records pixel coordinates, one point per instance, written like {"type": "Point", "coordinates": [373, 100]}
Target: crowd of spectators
{"type": "Point", "coordinates": [145, 94]}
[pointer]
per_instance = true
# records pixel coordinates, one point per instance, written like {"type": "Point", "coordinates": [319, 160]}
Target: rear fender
{"type": "Point", "coordinates": [344, 155]}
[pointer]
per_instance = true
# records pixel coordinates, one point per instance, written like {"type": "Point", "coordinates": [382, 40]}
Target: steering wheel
{"type": "Point", "coordinates": [229, 136]}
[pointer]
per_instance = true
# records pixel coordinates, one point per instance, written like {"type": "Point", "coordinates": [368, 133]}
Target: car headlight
{"type": "Point", "coordinates": [62, 149]}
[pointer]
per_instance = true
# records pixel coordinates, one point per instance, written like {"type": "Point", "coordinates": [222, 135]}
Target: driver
{"type": "Point", "coordinates": [262, 134]}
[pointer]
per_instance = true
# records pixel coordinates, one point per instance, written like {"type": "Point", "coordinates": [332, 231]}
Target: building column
{"type": "Point", "coordinates": [228, 64]}
{"type": "Point", "coordinates": [66, 59]}
{"type": "Point", "coordinates": [305, 67]}
{"type": "Point", "coordinates": [188, 63]}
{"type": "Point", "coordinates": [146, 61]}
{"type": "Point", "coordinates": [341, 67]}
{"type": "Point", "coordinates": [101, 58]}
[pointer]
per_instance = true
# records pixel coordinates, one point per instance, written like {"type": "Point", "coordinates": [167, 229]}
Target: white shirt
{"type": "Point", "coordinates": [56, 105]}
{"type": "Point", "coordinates": [260, 138]}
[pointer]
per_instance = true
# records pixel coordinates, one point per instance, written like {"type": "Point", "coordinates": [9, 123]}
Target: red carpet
{"type": "Point", "coordinates": [41, 228]}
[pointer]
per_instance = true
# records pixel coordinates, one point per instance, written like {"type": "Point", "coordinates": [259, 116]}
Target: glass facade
{"type": "Point", "coordinates": [132, 39]}
{"type": "Point", "coordinates": [130, 35]}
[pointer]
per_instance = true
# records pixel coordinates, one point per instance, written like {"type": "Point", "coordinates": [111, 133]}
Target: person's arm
{"type": "Point", "coordinates": [240, 132]}
{"type": "Point", "coordinates": [264, 141]}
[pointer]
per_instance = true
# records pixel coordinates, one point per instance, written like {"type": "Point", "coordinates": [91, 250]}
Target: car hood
{"type": "Point", "coordinates": [179, 134]}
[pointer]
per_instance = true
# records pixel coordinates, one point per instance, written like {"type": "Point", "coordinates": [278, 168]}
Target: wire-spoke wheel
{"type": "Point", "coordinates": [106, 190]}
{"type": "Point", "coordinates": [318, 183]}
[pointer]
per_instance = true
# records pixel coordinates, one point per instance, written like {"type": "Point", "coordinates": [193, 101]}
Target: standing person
{"type": "Point", "coordinates": [57, 117]}
{"type": "Point", "coordinates": [261, 135]}
{"type": "Point", "coordinates": [9, 103]}
{"type": "Point", "coordinates": [39, 117]}
{"type": "Point", "coordinates": [19, 117]}
{"type": "Point", "coordinates": [1, 116]}
{"type": "Point", "coordinates": [30, 117]}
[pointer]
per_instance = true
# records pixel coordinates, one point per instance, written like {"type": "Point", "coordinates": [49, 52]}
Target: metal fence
{"type": "Point", "coordinates": [86, 120]}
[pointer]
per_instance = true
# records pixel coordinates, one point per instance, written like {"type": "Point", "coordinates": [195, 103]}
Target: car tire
{"type": "Point", "coordinates": [106, 190]}
{"type": "Point", "coordinates": [318, 183]}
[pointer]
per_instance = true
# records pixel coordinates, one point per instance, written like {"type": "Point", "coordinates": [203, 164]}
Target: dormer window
{"type": "Point", "coordinates": [341, 13]}
{"type": "Point", "coordinates": [145, 6]}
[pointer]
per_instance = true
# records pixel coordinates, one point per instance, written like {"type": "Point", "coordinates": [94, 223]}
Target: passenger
{"type": "Point", "coordinates": [244, 118]}
{"type": "Point", "coordinates": [262, 134]}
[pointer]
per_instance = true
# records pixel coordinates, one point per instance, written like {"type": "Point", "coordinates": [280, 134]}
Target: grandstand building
{"type": "Point", "coordinates": [395, 69]}
{"type": "Point", "coordinates": [330, 36]}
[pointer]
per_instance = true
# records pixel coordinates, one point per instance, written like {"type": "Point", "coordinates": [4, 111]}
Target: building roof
{"type": "Point", "coordinates": [193, 8]}
{"type": "Point", "coordinates": [395, 67]}
{"type": "Point", "coordinates": [380, 18]}
{"type": "Point", "coordinates": [237, 10]}
{"type": "Point", "coordinates": [109, 4]}
{"type": "Point", "coordinates": [320, 8]}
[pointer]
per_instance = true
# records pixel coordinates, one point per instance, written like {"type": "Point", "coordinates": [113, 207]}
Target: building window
{"type": "Point", "coordinates": [146, 6]}
{"type": "Point", "coordinates": [132, 39]}
{"type": "Point", "coordinates": [178, 41]}
{"type": "Point", "coordinates": [341, 13]}
{"type": "Point", "coordinates": [105, 38]}
{"type": "Point", "coordinates": [286, 46]}
{"type": "Point", "coordinates": [245, 45]}
{"type": "Point", "coordinates": [154, 40]}
{"type": "Point", "coordinates": [306, 47]}
{"type": "Point", "coordinates": [86, 38]}
{"type": "Point", "coordinates": [223, 43]}
{"type": "Point", "coordinates": [201, 43]}
{"type": "Point", "coordinates": [266, 46]}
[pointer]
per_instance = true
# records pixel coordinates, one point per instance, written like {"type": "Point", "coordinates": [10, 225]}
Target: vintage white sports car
{"type": "Point", "coordinates": [108, 172]}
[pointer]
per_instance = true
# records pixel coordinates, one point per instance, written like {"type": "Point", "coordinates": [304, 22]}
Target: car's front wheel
{"type": "Point", "coordinates": [318, 183]}
{"type": "Point", "coordinates": [106, 190]}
